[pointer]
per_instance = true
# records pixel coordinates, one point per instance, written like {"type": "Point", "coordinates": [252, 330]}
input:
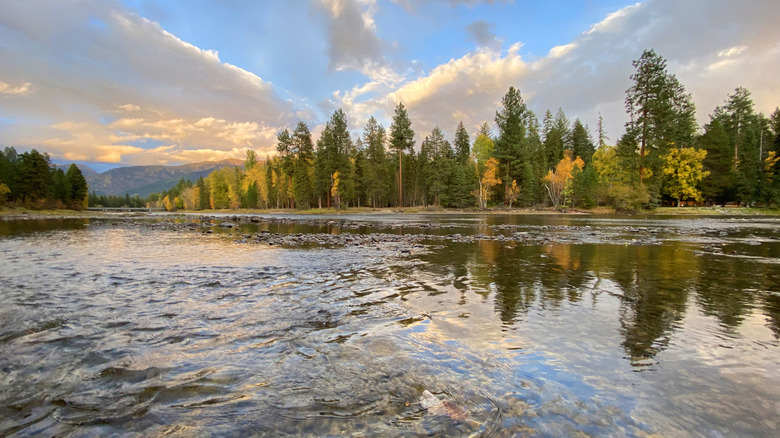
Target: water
{"type": "Point", "coordinates": [519, 325]}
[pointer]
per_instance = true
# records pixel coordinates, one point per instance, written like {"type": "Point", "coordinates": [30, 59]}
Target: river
{"type": "Point", "coordinates": [518, 325]}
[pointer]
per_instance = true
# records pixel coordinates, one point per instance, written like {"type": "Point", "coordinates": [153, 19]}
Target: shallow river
{"type": "Point", "coordinates": [518, 325]}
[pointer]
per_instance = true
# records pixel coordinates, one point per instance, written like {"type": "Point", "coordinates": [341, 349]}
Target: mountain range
{"type": "Point", "coordinates": [143, 180]}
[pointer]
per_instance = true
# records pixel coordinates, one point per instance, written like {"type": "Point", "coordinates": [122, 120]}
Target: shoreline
{"type": "Point", "coordinates": [21, 213]}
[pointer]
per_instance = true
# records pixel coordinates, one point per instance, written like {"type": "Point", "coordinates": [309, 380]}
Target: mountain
{"type": "Point", "coordinates": [143, 180]}
{"type": "Point", "coordinates": [85, 170]}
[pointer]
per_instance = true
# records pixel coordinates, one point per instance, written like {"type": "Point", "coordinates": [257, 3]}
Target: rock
{"type": "Point", "coordinates": [227, 225]}
{"type": "Point", "coordinates": [441, 407]}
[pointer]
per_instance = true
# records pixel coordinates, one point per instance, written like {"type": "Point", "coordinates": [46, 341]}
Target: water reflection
{"type": "Point", "coordinates": [147, 329]}
{"type": "Point", "coordinates": [654, 284]}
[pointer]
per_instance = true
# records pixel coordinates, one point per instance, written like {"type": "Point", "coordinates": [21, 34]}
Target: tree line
{"type": "Point", "coordinates": [29, 179]}
{"type": "Point", "coordinates": [662, 157]}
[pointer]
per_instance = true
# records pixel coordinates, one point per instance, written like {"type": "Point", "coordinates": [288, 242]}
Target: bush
{"type": "Point", "coordinates": [627, 199]}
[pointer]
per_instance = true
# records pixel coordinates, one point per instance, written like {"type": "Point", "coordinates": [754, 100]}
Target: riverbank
{"type": "Point", "coordinates": [24, 213]}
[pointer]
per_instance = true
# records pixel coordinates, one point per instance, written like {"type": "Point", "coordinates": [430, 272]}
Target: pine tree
{"type": "Point", "coordinates": [35, 176]}
{"type": "Point", "coordinates": [401, 141]}
{"type": "Point", "coordinates": [302, 148]}
{"type": "Point", "coordinates": [661, 113]}
{"type": "Point", "coordinates": [78, 186]}
{"type": "Point", "coordinates": [462, 145]}
{"type": "Point", "coordinates": [203, 194]}
{"type": "Point", "coordinates": [376, 179]}
{"type": "Point", "coordinates": [511, 151]}
{"type": "Point", "coordinates": [61, 190]}
{"type": "Point", "coordinates": [581, 142]}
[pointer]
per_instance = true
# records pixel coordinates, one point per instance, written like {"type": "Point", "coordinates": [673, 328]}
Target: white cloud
{"type": "Point", "coordinates": [732, 51]}
{"type": "Point", "coordinates": [7, 89]}
{"type": "Point", "coordinates": [711, 47]}
{"type": "Point", "coordinates": [129, 107]}
{"type": "Point", "coordinates": [89, 79]}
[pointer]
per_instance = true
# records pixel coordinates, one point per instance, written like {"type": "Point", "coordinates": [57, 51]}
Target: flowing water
{"type": "Point", "coordinates": [514, 325]}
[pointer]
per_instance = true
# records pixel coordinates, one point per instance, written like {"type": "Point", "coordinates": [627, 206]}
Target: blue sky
{"type": "Point", "coordinates": [111, 83]}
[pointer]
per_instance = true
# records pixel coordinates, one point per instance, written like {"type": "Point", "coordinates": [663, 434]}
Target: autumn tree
{"type": "Point", "coordinates": [684, 169]}
{"type": "Point", "coordinates": [559, 182]}
{"type": "Point", "coordinates": [488, 181]}
{"type": "Point", "coordinates": [334, 189]}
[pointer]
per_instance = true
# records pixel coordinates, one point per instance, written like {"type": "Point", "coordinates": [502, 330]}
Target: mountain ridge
{"type": "Point", "coordinates": [143, 180]}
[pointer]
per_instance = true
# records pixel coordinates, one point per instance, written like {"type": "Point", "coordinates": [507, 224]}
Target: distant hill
{"type": "Point", "coordinates": [85, 170]}
{"type": "Point", "coordinates": [143, 180]}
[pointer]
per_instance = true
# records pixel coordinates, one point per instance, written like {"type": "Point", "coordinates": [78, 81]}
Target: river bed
{"type": "Point", "coordinates": [292, 325]}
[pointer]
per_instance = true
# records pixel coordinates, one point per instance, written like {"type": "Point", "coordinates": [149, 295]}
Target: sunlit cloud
{"type": "Point", "coordinates": [7, 89]}
{"type": "Point", "coordinates": [122, 81]}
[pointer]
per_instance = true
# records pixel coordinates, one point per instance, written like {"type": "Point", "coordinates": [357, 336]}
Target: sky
{"type": "Point", "coordinates": [113, 83]}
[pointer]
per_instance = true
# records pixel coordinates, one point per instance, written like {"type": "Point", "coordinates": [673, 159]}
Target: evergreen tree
{"type": "Point", "coordinates": [401, 142]}
{"type": "Point", "coordinates": [35, 176]}
{"type": "Point", "coordinates": [203, 194]}
{"type": "Point", "coordinates": [602, 133]}
{"type": "Point", "coordinates": [78, 186]}
{"type": "Point", "coordinates": [250, 197]}
{"type": "Point", "coordinates": [303, 149]}
{"type": "Point", "coordinates": [556, 136]}
{"type": "Point", "coordinates": [462, 145]}
{"type": "Point", "coordinates": [462, 184]}
{"type": "Point", "coordinates": [61, 190]}
{"type": "Point", "coordinates": [9, 161]}
{"type": "Point", "coordinates": [719, 187]}
{"type": "Point", "coordinates": [581, 142]}
{"type": "Point", "coordinates": [511, 151]}
{"type": "Point", "coordinates": [376, 179]}
{"type": "Point", "coordinates": [661, 114]}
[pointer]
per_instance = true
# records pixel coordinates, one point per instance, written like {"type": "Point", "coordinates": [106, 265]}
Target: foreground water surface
{"type": "Point", "coordinates": [518, 325]}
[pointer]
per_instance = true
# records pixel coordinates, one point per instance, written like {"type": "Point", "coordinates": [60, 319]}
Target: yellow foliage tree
{"type": "Point", "coordinates": [684, 167]}
{"type": "Point", "coordinates": [4, 191]}
{"type": "Point", "coordinates": [559, 182]}
{"type": "Point", "coordinates": [334, 189]}
{"type": "Point", "coordinates": [513, 193]}
{"type": "Point", "coordinates": [488, 181]}
{"type": "Point", "coordinates": [168, 204]}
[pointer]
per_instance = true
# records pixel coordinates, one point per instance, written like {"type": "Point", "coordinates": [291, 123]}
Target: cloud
{"type": "Point", "coordinates": [482, 34]}
{"type": "Point", "coordinates": [352, 41]}
{"type": "Point", "coordinates": [712, 48]}
{"type": "Point", "coordinates": [21, 90]}
{"type": "Point", "coordinates": [96, 63]}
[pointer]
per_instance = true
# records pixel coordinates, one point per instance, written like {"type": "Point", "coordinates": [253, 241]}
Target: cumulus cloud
{"type": "Point", "coordinates": [93, 64]}
{"type": "Point", "coordinates": [712, 48]}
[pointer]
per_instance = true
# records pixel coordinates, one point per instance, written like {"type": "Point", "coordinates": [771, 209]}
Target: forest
{"type": "Point", "coordinates": [29, 179]}
{"type": "Point", "coordinates": [662, 158]}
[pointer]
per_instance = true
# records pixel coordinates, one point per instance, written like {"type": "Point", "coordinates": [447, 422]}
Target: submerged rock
{"type": "Point", "coordinates": [436, 406]}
